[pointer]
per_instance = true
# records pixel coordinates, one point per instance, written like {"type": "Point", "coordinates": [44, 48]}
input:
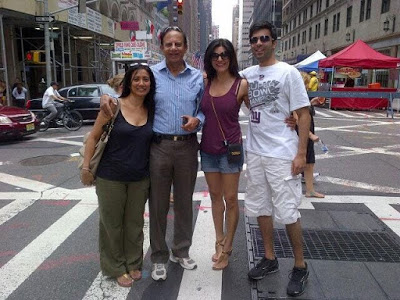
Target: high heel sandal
{"type": "Point", "coordinates": [216, 255]}
{"type": "Point", "coordinates": [222, 256]}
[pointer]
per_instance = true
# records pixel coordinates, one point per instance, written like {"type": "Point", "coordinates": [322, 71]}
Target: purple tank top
{"type": "Point", "coordinates": [227, 109]}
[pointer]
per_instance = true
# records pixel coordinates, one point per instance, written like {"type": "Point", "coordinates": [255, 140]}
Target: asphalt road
{"type": "Point", "coordinates": [48, 220]}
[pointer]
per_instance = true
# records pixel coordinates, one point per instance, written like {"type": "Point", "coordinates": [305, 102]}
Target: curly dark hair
{"type": "Point", "coordinates": [230, 50]}
{"type": "Point", "coordinates": [127, 81]}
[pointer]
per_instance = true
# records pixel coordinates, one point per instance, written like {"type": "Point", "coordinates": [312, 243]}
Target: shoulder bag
{"type": "Point", "coordinates": [100, 146]}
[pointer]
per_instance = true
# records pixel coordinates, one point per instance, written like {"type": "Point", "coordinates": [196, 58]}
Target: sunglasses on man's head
{"type": "Point", "coordinates": [263, 39]}
{"type": "Point", "coordinates": [169, 28]}
{"type": "Point", "coordinates": [223, 55]}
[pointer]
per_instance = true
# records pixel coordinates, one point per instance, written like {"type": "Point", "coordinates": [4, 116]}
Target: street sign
{"type": "Point", "coordinates": [44, 19]}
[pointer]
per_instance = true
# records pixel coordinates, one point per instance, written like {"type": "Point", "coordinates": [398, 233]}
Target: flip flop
{"type": "Point", "coordinates": [124, 280]}
{"type": "Point", "coordinates": [314, 195]}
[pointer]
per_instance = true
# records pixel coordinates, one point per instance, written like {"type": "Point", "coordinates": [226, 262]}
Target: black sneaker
{"type": "Point", "coordinates": [263, 268]}
{"type": "Point", "coordinates": [297, 282]}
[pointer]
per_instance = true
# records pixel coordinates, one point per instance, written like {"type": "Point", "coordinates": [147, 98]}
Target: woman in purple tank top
{"type": "Point", "coordinates": [224, 94]}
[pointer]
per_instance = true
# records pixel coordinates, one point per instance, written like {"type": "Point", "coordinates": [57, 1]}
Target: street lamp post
{"type": "Point", "coordinates": [47, 43]}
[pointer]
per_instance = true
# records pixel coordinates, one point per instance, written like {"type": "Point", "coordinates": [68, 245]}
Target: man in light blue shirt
{"type": "Point", "coordinates": [173, 154]}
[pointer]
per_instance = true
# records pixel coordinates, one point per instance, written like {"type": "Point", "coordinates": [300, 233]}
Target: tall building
{"type": "Point", "coordinates": [235, 26]}
{"type": "Point", "coordinates": [215, 32]}
{"type": "Point", "coordinates": [330, 26]}
{"type": "Point", "coordinates": [244, 50]}
{"type": "Point", "coordinates": [205, 13]}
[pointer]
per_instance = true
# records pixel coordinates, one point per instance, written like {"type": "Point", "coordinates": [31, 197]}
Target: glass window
{"type": "Point", "coordinates": [309, 34]}
{"type": "Point", "coordinates": [72, 92]}
{"type": "Point", "coordinates": [362, 10]}
{"type": "Point", "coordinates": [385, 6]}
{"type": "Point", "coordinates": [326, 27]}
{"type": "Point", "coordinates": [327, 4]}
{"type": "Point", "coordinates": [348, 17]}
{"type": "Point", "coordinates": [88, 91]}
{"type": "Point", "coordinates": [368, 10]}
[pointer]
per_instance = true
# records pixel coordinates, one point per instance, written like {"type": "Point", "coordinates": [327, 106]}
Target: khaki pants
{"type": "Point", "coordinates": [121, 208]}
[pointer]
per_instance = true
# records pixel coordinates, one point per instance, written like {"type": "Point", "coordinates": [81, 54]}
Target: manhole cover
{"type": "Point", "coordinates": [333, 245]}
{"type": "Point", "coordinates": [43, 160]}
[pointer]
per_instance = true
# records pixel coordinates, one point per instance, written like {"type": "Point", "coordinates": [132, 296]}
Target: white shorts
{"type": "Point", "coordinates": [271, 190]}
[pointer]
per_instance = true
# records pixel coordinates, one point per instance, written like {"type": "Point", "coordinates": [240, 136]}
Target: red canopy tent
{"type": "Point", "coordinates": [359, 54]}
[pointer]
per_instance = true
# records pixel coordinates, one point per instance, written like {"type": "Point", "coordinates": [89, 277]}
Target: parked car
{"type": "Point", "coordinates": [16, 122]}
{"type": "Point", "coordinates": [86, 99]}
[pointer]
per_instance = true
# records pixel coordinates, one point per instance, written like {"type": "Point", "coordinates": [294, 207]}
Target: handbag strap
{"type": "Point", "coordinates": [219, 123]}
{"type": "Point", "coordinates": [110, 124]}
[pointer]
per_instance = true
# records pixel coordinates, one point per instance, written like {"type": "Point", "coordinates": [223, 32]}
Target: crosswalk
{"type": "Point", "coordinates": [48, 251]}
{"type": "Point", "coordinates": [48, 235]}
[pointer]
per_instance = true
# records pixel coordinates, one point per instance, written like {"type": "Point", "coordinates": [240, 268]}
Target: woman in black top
{"type": "Point", "coordinates": [122, 178]}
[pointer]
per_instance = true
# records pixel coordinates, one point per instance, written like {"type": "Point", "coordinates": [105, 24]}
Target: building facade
{"type": "Point", "coordinates": [330, 26]}
{"type": "Point", "coordinates": [244, 50]}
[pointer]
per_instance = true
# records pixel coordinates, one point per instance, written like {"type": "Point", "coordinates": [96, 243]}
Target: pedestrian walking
{"type": "Point", "coordinates": [276, 155]}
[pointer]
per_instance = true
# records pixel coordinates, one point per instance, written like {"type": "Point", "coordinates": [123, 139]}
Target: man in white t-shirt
{"type": "Point", "coordinates": [48, 102]}
{"type": "Point", "coordinates": [19, 93]}
{"type": "Point", "coordinates": [276, 155]}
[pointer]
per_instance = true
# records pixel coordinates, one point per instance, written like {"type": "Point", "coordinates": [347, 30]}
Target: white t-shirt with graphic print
{"type": "Point", "coordinates": [274, 92]}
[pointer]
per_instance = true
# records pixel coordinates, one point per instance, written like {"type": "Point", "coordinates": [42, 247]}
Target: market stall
{"type": "Point", "coordinates": [350, 61]}
{"type": "Point", "coordinates": [310, 63]}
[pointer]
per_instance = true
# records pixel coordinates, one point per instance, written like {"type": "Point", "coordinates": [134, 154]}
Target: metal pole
{"type": "Point", "coordinates": [23, 60]}
{"type": "Point", "coordinates": [62, 55]}
{"type": "Point", "coordinates": [3, 55]}
{"type": "Point", "coordinates": [47, 43]}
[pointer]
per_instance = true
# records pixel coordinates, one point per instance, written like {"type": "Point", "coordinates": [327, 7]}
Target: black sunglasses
{"type": "Point", "coordinates": [263, 39]}
{"type": "Point", "coordinates": [223, 56]}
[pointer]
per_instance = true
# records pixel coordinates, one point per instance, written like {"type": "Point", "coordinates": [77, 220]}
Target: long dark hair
{"type": "Point", "coordinates": [233, 64]}
{"type": "Point", "coordinates": [149, 98]}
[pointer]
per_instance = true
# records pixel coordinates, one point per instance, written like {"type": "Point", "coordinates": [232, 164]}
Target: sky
{"type": "Point", "coordinates": [222, 16]}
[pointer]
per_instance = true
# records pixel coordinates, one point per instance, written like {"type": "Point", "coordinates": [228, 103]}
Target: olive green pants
{"type": "Point", "coordinates": [121, 209]}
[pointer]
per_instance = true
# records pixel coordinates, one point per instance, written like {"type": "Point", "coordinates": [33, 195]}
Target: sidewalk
{"type": "Point", "coordinates": [350, 251]}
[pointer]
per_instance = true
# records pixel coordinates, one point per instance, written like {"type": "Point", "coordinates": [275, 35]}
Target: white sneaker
{"type": "Point", "coordinates": [159, 272]}
{"type": "Point", "coordinates": [42, 123]}
{"type": "Point", "coordinates": [186, 263]}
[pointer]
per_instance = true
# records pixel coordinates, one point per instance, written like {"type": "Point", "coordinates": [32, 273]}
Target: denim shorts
{"type": "Point", "coordinates": [219, 163]}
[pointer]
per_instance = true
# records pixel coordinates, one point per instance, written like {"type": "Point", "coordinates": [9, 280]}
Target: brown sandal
{"type": "Point", "coordinates": [216, 255]}
{"type": "Point", "coordinates": [223, 254]}
{"type": "Point", "coordinates": [124, 280]}
{"type": "Point", "coordinates": [135, 274]}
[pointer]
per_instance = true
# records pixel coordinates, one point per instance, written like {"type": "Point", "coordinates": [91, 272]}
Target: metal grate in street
{"type": "Point", "coordinates": [333, 245]}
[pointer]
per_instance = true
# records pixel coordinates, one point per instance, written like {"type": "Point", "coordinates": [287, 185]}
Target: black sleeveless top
{"type": "Point", "coordinates": [127, 153]}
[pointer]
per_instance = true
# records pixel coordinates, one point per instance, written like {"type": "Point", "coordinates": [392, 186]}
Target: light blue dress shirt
{"type": "Point", "coordinates": [175, 97]}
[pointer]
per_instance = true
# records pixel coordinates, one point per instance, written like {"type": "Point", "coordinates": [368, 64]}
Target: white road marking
{"type": "Point", "coordinates": [25, 183]}
{"type": "Point", "coordinates": [59, 140]}
{"type": "Point", "coordinates": [203, 282]}
{"type": "Point", "coordinates": [318, 112]}
{"type": "Point", "coordinates": [105, 287]}
{"type": "Point", "coordinates": [4, 163]}
{"type": "Point", "coordinates": [360, 185]}
{"type": "Point", "coordinates": [13, 208]}
{"type": "Point", "coordinates": [341, 114]}
{"type": "Point", "coordinates": [22, 265]}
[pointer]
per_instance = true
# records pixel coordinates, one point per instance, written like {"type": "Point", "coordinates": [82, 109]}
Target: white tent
{"type": "Point", "coordinates": [308, 62]}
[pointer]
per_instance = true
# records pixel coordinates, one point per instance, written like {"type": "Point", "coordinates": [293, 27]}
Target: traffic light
{"type": "Point", "coordinates": [180, 7]}
{"type": "Point", "coordinates": [36, 57]}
